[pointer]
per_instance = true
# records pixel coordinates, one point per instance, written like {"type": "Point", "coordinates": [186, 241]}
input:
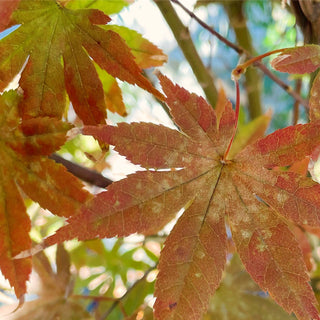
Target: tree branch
{"type": "Point", "coordinates": [85, 174]}
{"type": "Point", "coordinates": [183, 38]}
{"type": "Point", "coordinates": [242, 51]}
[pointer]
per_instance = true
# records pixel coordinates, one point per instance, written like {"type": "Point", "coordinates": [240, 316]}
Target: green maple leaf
{"type": "Point", "coordinates": [187, 170]}
{"type": "Point", "coordinates": [108, 7]}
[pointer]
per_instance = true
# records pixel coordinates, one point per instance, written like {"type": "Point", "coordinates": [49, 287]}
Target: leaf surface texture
{"type": "Point", "coordinates": [186, 170]}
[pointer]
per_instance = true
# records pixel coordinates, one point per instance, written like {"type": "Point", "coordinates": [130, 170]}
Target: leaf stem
{"type": "Point", "coordinates": [241, 68]}
{"type": "Point", "coordinates": [237, 108]}
{"type": "Point", "coordinates": [235, 76]}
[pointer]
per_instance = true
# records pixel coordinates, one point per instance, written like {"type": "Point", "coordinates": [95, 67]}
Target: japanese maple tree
{"type": "Point", "coordinates": [242, 202]}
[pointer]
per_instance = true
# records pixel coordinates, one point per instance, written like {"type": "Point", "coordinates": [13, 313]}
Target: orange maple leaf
{"type": "Point", "coordinates": [24, 165]}
{"type": "Point", "coordinates": [58, 46]}
{"type": "Point", "coordinates": [257, 203]}
{"type": "Point", "coordinates": [53, 289]}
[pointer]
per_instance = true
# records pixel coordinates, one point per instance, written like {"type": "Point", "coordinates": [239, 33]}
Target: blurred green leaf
{"type": "Point", "coordinates": [240, 298]}
{"type": "Point", "coordinates": [137, 295]}
{"type": "Point", "coordinates": [107, 6]}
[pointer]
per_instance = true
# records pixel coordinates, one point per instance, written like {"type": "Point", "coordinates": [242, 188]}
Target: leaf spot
{"type": "Point", "coordinates": [35, 167]}
{"type": "Point", "coordinates": [157, 207]}
{"type": "Point", "coordinates": [282, 197]}
{"type": "Point", "coordinates": [246, 234]}
{"type": "Point", "coordinates": [261, 247]}
{"type": "Point", "coordinates": [172, 305]}
{"type": "Point", "coordinates": [267, 234]}
{"type": "Point", "coordinates": [200, 254]}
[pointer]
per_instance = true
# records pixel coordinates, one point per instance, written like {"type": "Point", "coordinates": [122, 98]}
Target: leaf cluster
{"type": "Point", "coordinates": [227, 192]}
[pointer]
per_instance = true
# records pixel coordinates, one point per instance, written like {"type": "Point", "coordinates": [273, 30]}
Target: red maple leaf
{"type": "Point", "coordinates": [191, 169]}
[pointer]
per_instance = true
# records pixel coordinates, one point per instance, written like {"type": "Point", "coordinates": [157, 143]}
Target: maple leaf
{"type": "Point", "coordinates": [24, 166]}
{"type": "Point", "coordinates": [112, 92]}
{"type": "Point", "coordinates": [300, 60]}
{"type": "Point", "coordinates": [188, 169]}
{"type": "Point", "coordinates": [59, 45]}
{"type": "Point", "coordinates": [304, 59]}
{"type": "Point", "coordinates": [53, 290]}
{"type": "Point", "coordinates": [146, 54]}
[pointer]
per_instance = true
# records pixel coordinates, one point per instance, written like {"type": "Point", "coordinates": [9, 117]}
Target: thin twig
{"type": "Point", "coordinates": [95, 298]}
{"type": "Point", "coordinates": [118, 301]}
{"type": "Point", "coordinates": [242, 51]}
{"type": "Point", "coordinates": [282, 84]}
{"type": "Point", "coordinates": [230, 44]}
